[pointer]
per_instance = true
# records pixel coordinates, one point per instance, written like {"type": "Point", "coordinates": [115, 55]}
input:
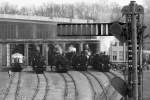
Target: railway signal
{"type": "Point", "coordinates": [134, 20]}
{"type": "Point", "coordinates": [118, 29]}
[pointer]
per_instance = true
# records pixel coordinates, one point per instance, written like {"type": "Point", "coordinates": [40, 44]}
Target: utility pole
{"type": "Point", "coordinates": [133, 13]}
{"type": "Point", "coordinates": [134, 52]}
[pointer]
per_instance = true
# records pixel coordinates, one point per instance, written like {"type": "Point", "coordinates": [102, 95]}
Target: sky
{"type": "Point", "coordinates": [29, 3]}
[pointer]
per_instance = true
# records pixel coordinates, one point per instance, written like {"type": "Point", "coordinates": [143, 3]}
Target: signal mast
{"type": "Point", "coordinates": [134, 15]}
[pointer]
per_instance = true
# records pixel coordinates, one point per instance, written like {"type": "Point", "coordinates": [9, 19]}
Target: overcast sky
{"type": "Point", "coordinates": [28, 3]}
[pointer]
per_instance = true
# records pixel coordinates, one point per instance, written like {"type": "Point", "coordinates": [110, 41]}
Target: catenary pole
{"type": "Point", "coordinates": [134, 44]}
{"type": "Point", "coordinates": [133, 13]}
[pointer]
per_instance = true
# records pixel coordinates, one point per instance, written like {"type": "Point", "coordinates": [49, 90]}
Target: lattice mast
{"type": "Point", "coordinates": [134, 21]}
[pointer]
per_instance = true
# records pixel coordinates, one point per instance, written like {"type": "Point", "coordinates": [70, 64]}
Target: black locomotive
{"type": "Point", "coordinates": [38, 61]}
{"type": "Point", "coordinates": [62, 62]}
{"type": "Point", "coordinates": [58, 60]}
{"type": "Point", "coordinates": [101, 62]}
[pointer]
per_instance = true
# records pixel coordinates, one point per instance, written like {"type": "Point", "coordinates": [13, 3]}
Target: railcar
{"type": "Point", "coordinates": [17, 61]}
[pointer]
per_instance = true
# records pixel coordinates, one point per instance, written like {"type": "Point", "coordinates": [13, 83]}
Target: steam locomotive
{"type": "Point", "coordinates": [63, 61]}
{"type": "Point", "coordinates": [79, 61]}
{"type": "Point", "coordinates": [101, 62]}
{"type": "Point", "coordinates": [38, 62]}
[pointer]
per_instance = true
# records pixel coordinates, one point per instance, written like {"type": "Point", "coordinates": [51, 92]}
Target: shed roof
{"type": "Point", "coordinates": [22, 18]}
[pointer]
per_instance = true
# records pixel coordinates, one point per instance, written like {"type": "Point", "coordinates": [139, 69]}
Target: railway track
{"type": "Point", "coordinates": [91, 84]}
{"type": "Point", "coordinates": [66, 86]}
{"type": "Point", "coordinates": [9, 86]}
{"type": "Point", "coordinates": [98, 89]}
{"type": "Point", "coordinates": [12, 92]}
{"type": "Point", "coordinates": [101, 85]}
{"type": "Point", "coordinates": [110, 88]}
{"type": "Point", "coordinates": [111, 75]}
{"type": "Point", "coordinates": [47, 87]}
{"type": "Point", "coordinates": [37, 88]}
{"type": "Point", "coordinates": [41, 91]}
{"type": "Point", "coordinates": [69, 85]}
{"type": "Point", "coordinates": [18, 87]}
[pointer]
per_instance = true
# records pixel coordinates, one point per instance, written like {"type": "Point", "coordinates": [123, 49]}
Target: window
{"type": "Point", "coordinates": [120, 44]}
{"type": "Point", "coordinates": [115, 44]}
{"type": "Point", "coordinates": [114, 55]}
{"type": "Point", "coordinates": [120, 55]}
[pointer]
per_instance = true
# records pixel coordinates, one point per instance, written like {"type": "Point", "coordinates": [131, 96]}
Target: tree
{"type": "Point", "coordinates": [6, 8]}
{"type": "Point", "coordinates": [115, 12]}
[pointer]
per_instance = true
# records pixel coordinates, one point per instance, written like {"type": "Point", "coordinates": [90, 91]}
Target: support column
{"type": "Point", "coordinates": [4, 55]}
{"type": "Point", "coordinates": [17, 34]}
{"type": "Point", "coordinates": [81, 47]}
{"type": "Point", "coordinates": [1, 53]}
{"type": "Point", "coordinates": [45, 52]}
{"type": "Point", "coordinates": [34, 31]}
{"type": "Point", "coordinates": [47, 49]}
{"type": "Point", "coordinates": [26, 53]}
{"type": "Point", "coordinates": [8, 54]}
{"type": "Point", "coordinates": [43, 49]}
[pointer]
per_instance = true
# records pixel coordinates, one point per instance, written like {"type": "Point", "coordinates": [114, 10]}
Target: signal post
{"type": "Point", "coordinates": [133, 14]}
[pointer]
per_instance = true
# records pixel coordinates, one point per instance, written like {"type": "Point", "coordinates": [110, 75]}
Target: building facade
{"type": "Point", "coordinates": [22, 32]}
{"type": "Point", "coordinates": [118, 52]}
